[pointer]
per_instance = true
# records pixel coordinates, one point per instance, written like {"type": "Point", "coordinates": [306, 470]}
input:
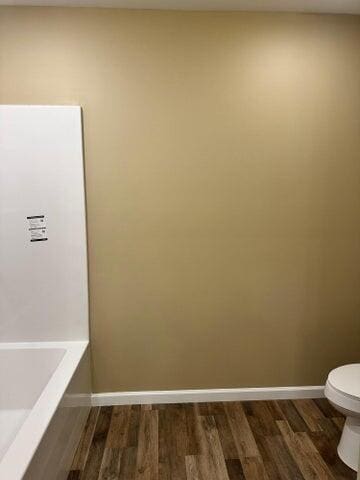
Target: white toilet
{"type": "Point", "coordinates": [343, 392]}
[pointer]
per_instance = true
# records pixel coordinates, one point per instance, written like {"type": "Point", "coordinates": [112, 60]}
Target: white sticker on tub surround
{"type": "Point", "coordinates": [43, 294]}
{"type": "Point", "coordinates": [37, 228]}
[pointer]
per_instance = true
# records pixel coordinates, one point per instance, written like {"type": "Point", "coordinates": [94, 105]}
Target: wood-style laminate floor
{"type": "Point", "coordinates": [212, 441]}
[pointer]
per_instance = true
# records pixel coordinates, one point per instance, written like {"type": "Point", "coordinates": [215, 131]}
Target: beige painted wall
{"type": "Point", "coordinates": [223, 182]}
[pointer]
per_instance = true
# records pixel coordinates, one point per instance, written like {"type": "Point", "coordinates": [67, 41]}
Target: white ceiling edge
{"type": "Point", "coordinates": [305, 6]}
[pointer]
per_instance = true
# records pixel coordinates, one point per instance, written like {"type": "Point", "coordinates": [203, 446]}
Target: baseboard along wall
{"type": "Point", "coordinates": [207, 395]}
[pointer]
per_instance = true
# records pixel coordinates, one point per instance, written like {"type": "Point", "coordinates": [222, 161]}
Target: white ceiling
{"type": "Point", "coordinates": [316, 6]}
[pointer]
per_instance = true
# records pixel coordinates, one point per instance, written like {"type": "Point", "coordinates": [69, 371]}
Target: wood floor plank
{"type": "Point", "coordinates": [272, 440]}
{"type": "Point", "coordinates": [275, 410]}
{"type": "Point", "coordinates": [271, 467]}
{"type": "Point", "coordinates": [327, 409]}
{"type": "Point", "coordinates": [74, 475]}
{"type": "Point", "coordinates": [119, 427]}
{"type": "Point", "coordinates": [214, 464]}
{"type": "Point", "coordinates": [292, 416]}
{"type": "Point", "coordinates": [265, 422]}
{"type": "Point", "coordinates": [176, 443]}
{"type": "Point", "coordinates": [83, 448]}
{"type": "Point", "coordinates": [110, 464]}
{"type": "Point", "coordinates": [179, 437]}
{"type": "Point", "coordinates": [192, 429]}
{"type": "Point", "coordinates": [339, 422]}
{"type": "Point", "coordinates": [164, 471]}
{"type": "Point", "coordinates": [147, 454]}
{"type": "Point", "coordinates": [254, 469]}
{"type": "Point", "coordinates": [164, 447]}
{"type": "Point", "coordinates": [192, 470]}
{"type": "Point", "coordinates": [249, 455]}
{"type": "Point", "coordinates": [234, 469]}
{"type": "Point", "coordinates": [145, 407]}
{"type": "Point", "coordinates": [308, 459]}
{"type": "Point", "coordinates": [326, 449]}
{"type": "Point", "coordinates": [128, 464]}
{"type": "Point", "coordinates": [205, 467]}
{"type": "Point", "coordinates": [286, 465]}
{"type": "Point", "coordinates": [96, 451]}
{"type": "Point", "coordinates": [267, 457]}
{"type": "Point", "coordinates": [241, 431]}
{"type": "Point", "coordinates": [262, 425]}
{"type": "Point", "coordinates": [133, 431]}
{"type": "Point", "coordinates": [226, 438]}
{"type": "Point", "coordinates": [203, 408]}
{"type": "Point", "coordinates": [310, 413]}
{"type": "Point", "coordinates": [326, 443]}
{"type": "Point", "coordinates": [322, 470]}
{"type": "Point", "coordinates": [216, 408]}
{"type": "Point", "coordinates": [329, 427]}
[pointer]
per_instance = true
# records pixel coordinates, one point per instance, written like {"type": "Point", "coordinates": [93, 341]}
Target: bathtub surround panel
{"type": "Point", "coordinates": [222, 171]}
{"type": "Point", "coordinates": [45, 383]}
{"type": "Point", "coordinates": [43, 260]}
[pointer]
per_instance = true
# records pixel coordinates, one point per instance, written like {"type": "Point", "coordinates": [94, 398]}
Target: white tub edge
{"type": "Point", "coordinates": [14, 465]}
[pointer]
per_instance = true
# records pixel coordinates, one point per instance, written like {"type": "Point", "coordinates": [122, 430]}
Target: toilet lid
{"type": "Point", "coordinates": [346, 379]}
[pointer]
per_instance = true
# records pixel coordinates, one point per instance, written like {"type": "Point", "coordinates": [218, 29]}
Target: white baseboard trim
{"type": "Point", "coordinates": [209, 395]}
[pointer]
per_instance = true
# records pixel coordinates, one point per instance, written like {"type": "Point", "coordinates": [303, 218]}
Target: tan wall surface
{"type": "Point", "coordinates": [223, 182]}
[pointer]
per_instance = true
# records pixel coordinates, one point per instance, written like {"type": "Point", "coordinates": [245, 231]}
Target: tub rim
{"type": "Point", "coordinates": [17, 458]}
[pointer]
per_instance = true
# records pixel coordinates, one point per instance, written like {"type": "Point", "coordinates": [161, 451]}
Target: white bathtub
{"type": "Point", "coordinates": [44, 402]}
